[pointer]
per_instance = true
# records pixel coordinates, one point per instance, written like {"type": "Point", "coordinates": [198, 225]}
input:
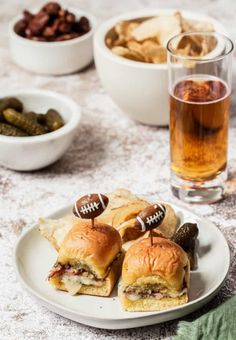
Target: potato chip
{"type": "Point", "coordinates": [194, 43]}
{"type": "Point", "coordinates": [126, 53]}
{"type": "Point", "coordinates": [128, 232]}
{"type": "Point", "coordinates": [201, 26]}
{"type": "Point", "coordinates": [120, 50]}
{"type": "Point", "coordinates": [109, 42]}
{"type": "Point", "coordinates": [145, 40]}
{"type": "Point", "coordinates": [129, 211]}
{"type": "Point", "coordinates": [170, 28]}
{"type": "Point", "coordinates": [185, 51]}
{"type": "Point", "coordinates": [136, 47]}
{"type": "Point", "coordinates": [153, 52]}
{"type": "Point", "coordinates": [128, 244]}
{"type": "Point", "coordinates": [124, 30]}
{"type": "Point", "coordinates": [55, 230]}
{"type": "Point", "coordinates": [111, 38]}
{"type": "Point", "coordinates": [199, 46]}
{"type": "Point", "coordinates": [129, 30]}
{"type": "Point", "coordinates": [117, 36]}
{"type": "Point", "coordinates": [147, 29]}
{"type": "Point", "coordinates": [162, 27]}
{"type": "Point", "coordinates": [121, 203]}
{"type": "Point", "coordinates": [170, 224]}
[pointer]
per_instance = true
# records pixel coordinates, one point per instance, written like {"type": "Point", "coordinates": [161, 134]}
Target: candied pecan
{"type": "Point", "coordinates": [20, 27]}
{"type": "Point", "coordinates": [38, 38]}
{"type": "Point", "coordinates": [28, 33]}
{"type": "Point", "coordinates": [27, 16]}
{"type": "Point", "coordinates": [52, 8]}
{"type": "Point", "coordinates": [67, 36]}
{"type": "Point", "coordinates": [38, 23]}
{"type": "Point", "coordinates": [62, 13]}
{"type": "Point", "coordinates": [64, 27]}
{"type": "Point", "coordinates": [48, 32]}
{"type": "Point", "coordinates": [84, 24]}
{"type": "Point", "coordinates": [70, 17]}
{"type": "Point", "coordinates": [56, 24]}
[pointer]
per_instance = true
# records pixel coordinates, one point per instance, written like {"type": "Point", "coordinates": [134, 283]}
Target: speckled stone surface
{"type": "Point", "coordinates": [110, 151]}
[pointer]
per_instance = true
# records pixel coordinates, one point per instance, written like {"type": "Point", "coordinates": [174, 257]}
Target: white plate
{"type": "Point", "coordinates": [34, 257]}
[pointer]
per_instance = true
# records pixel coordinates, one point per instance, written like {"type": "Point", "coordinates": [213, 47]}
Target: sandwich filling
{"type": "Point", "coordinates": [73, 277]}
{"type": "Point", "coordinates": [155, 291]}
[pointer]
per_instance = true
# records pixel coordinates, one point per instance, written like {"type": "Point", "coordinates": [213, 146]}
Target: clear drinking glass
{"type": "Point", "coordinates": [200, 71]}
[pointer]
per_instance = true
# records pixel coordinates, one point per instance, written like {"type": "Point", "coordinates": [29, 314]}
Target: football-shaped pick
{"type": "Point", "coordinates": [150, 217]}
{"type": "Point", "coordinates": [90, 206]}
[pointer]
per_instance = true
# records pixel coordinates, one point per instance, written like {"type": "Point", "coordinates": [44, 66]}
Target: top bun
{"type": "Point", "coordinates": [164, 259]}
{"type": "Point", "coordinates": [94, 247]}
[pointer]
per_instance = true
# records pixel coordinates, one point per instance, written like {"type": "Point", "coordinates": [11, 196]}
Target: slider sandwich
{"type": "Point", "coordinates": [154, 277]}
{"type": "Point", "coordinates": [89, 260]}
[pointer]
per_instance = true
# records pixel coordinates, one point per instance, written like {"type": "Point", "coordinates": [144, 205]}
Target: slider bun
{"type": "Point", "coordinates": [165, 260]}
{"type": "Point", "coordinates": [104, 290]}
{"type": "Point", "coordinates": [93, 247]}
{"type": "Point", "coordinates": [150, 304]}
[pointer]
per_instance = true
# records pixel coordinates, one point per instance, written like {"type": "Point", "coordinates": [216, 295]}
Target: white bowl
{"type": "Point", "coordinates": [54, 58]}
{"type": "Point", "coordinates": [36, 152]}
{"type": "Point", "coordinates": [139, 89]}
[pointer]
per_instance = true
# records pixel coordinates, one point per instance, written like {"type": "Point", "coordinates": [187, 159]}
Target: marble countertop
{"type": "Point", "coordinates": [110, 151]}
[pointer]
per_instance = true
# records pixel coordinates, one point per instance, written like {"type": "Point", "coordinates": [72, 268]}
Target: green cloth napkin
{"type": "Point", "coordinates": [218, 324]}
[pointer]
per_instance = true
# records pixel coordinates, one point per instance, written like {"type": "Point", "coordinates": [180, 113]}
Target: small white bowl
{"type": "Point", "coordinates": [139, 89]}
{"type": "Point", "coordinates": [36, 152]}
{"type": "Point", "coordinates": [53, 58]}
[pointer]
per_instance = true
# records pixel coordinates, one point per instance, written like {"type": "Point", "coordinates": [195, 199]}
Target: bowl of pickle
{"type": "Point", "coordinates": [36, 128]}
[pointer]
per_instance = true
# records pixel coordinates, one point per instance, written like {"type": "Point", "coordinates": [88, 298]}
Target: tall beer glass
{"type": "Point", "coordinates": [199, 87]}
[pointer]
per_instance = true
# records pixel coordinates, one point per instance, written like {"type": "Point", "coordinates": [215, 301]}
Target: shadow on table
{"type": "Point", "coordinates": [86, 153]}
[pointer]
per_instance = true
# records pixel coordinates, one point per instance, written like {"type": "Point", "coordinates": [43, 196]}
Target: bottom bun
{"type": "Point", "coordinates": [151, 304]}
{"type": "Point", "coordinates": [104, 290]}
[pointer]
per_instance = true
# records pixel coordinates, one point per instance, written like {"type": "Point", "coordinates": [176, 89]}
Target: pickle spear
{"type": "Point", "coordinates": [37, 117]}
{"type": "Point", "coordinates": [41, 118]}
{"type": "Point", "coordinates": [9, 102]}
{"type": "Point", "coordinates": [53, 120]}
{"type": "Point", "coordinates": [185, 234]}
{"type": "Point", "coordinates": [9, 130]}
{"type": "Point", "coordinates": [186, 237]}
{"type": "Point", "coordinates": [2, 120]}
{"type": "Point", "coordinates": [31, 115]}
{"type": "Point", "coordinates": [191, 253]}
{"type": "Point", "coordinates": [20, 121]}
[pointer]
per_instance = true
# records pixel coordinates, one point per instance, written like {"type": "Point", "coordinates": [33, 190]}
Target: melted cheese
{"type": "Point", "coordinates": [173, 294]}
{"type": "Point", "coordinates": [73, 283]}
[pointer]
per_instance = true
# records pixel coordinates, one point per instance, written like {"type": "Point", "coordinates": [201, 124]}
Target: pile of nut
{"type": "Point", "coordinates": [51, 23]}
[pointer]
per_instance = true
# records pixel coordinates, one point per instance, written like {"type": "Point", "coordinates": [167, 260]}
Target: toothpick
{"type": "Point", "coordinates": [151, 237]}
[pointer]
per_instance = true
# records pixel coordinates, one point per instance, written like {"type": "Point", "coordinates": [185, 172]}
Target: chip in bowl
{"type": "Point", "coordinates": [145, 39]}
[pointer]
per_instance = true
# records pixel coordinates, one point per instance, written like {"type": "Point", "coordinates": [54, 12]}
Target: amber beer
{"type": "Point", "coordinates": [199, 128]}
